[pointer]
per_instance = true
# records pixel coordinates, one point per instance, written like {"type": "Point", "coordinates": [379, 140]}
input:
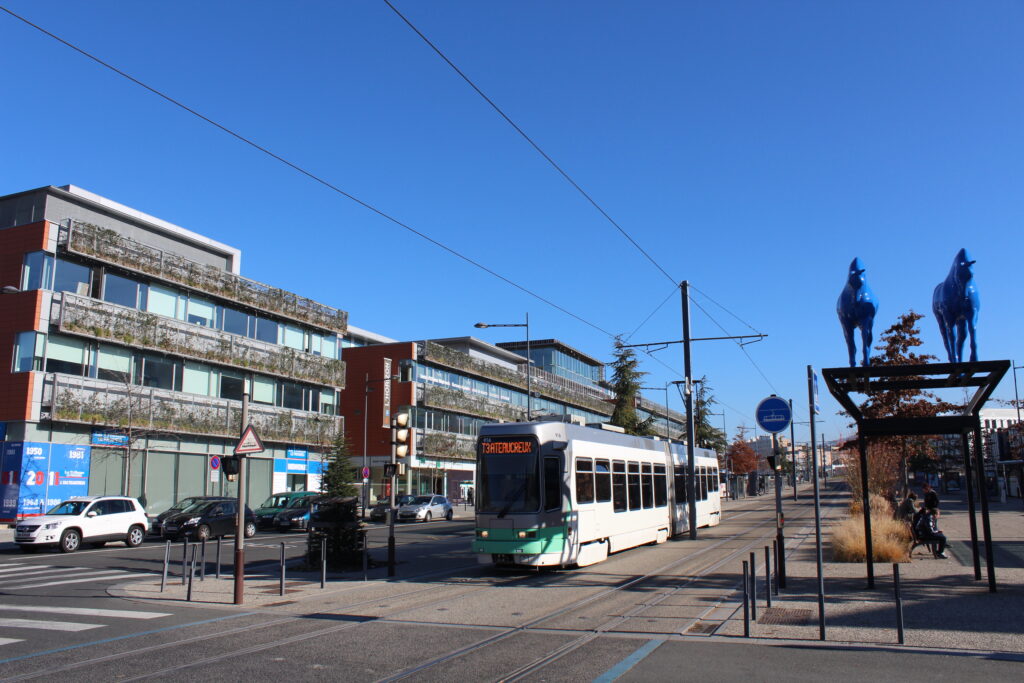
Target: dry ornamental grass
{"type": "Point", "coordinates": [890, 538]}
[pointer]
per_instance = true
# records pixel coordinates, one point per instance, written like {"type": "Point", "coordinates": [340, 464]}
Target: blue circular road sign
{"type": "Point", "coordinates": [214, 463]}
{"type": "Point", "coordinates": [773, 414]}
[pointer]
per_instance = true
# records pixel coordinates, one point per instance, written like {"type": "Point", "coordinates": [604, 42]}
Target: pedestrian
{"type": "Point", "coordinates": [931, 499]}
{"type": "Point", "coordinates": [906, 509]}
{"type": "Point", "coordinates": [927, 529]}
{"type": "Point", "coordinates": [470, 496]}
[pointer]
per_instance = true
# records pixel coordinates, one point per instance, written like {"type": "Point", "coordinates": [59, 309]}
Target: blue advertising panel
{"type": "Point", "coordinates": [297, 466]}
{"type": "Point", "coordinates": [109, 439]}
{"type": "Point", "coordinates": [37, 476]}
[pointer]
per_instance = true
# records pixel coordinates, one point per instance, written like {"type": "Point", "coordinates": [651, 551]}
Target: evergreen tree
{"type": "Point", "coordinates": [341, 474]}
{"type": "Point", "coordinates": [706, 436]}
{"type": "Point", "coordinates": [626, 383]}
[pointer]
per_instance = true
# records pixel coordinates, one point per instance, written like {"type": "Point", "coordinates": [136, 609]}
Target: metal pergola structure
{"type": "Point", "coordinates": [983, 376]}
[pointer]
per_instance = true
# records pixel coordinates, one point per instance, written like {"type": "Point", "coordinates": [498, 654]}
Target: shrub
{"type": "Point", "coordinates": [890, 538]}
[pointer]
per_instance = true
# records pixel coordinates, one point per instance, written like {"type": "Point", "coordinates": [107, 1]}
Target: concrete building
{"type": "Point", "coordinates": [131, 342]}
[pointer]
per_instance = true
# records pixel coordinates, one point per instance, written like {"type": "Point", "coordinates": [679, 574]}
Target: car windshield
{"type": "Point", "coordinates": [69, 507]}
{"type": "Point", "coordinates": [300, 502]}
{"type": "Point", "coordinates": [420, 500]}
{"type": "Point", "coordinates": [277, 501]}
{"type": "Point", "coordinates": [195, 505]}
{"type": "Point", "coordinates": [184, 503]}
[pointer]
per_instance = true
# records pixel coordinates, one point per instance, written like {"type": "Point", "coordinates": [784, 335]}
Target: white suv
{"type": "Point", "coordinates": [86, 519]}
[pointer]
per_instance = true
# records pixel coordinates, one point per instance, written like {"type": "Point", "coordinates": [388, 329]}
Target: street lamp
{"type": "Point", "coordinates": [529, 361]}
{"type": "Point", "coordinates": [10, 289]}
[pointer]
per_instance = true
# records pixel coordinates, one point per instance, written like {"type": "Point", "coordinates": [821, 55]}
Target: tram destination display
{"type": "Point", "coordinates": [507, 446]}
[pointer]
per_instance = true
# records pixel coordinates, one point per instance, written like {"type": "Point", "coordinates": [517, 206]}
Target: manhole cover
{"type": "Point", "coordinates": [703, 627]}
{"type": "Point", "coordinates": [786, 617]}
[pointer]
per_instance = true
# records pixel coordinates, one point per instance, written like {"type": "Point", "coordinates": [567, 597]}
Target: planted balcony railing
{"type": "Point", "coordinates": [659, 410]}
{"type": "Point", "coordinates": [108, 245]}
{"type": "Point", "coordinates": [113, 404]}
{"type": "Point", "coordinates": [103, 320]}
{"type": "Point", "coordinates": [545, 383]}
{"type": "Point", "coordinates": [447, 445]}
{"type": "Point", "coordinates": [470, 404]}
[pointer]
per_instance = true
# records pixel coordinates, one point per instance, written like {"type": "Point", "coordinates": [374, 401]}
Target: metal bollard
{"type": "Point", "coordinates": [768, 576]}
{"type": "Point", "coordinates": [775, 564]}
{"type": "Point", "coordinates": [746, 601]}
{"type": "Point", "coordinates": [899, 602]}
{"type": "Point", "coordinates": [218, 557]}
{"type": "Point", "coordinates": [191, 573]}
{"type": "Point", "coordinates": [184, 557]}
{"type": "Point", "coordinates": [167, 561]}
{"type": "Point", "coordinates": [753, 588]}
{"type": "Point", "coordinates": [323, 560]}
{"type": "Point", "coordinates": [366, 552]}
{"type": "Point", "coordinates": [282, 568]}
{"type": "Point", "coordinates": [202, 568]}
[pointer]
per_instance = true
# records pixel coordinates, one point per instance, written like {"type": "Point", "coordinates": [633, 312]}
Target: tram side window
{"type": "Point", "coordinates": [552, 484]}
{"type": "Point", "coordinates": [602, 481]}
{"type": "Point", "coordinates": [713, 485]}
{"type": "Point", "coordinates": [619, 486]}
{"type": "Point", "coordinates": [703, 481]}
{"type": "Point", "coordinates": [584, 481]}
{"type": "Point", "coordinates": [660, 487]}
{"type": "Point", "coordinates": [648, 485]}
{"type": "Point", "coordinates": [633, 480]}
{"type": "Point", "coordinates": [680, 485]}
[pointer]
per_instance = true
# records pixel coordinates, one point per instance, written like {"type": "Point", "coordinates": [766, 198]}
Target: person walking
{"type": "Point", "coordinates": [931, 499]}
{"type": "Point", "coordinates": [928, 531]}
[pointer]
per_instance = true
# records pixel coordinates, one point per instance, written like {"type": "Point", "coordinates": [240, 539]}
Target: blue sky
{"type": "Point", "coordinates": [752, 148]}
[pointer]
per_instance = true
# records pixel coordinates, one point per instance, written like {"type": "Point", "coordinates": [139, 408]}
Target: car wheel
{"type": "Point", "coordinates": [427, 518]}
{"type": "Point", "coordinates": [250, 529]}
{"type": "Point", "coordinates": [203, 532]}
{"type": "Point", "coordinates": [136, 535]}
{"type": "Point", "coordinates": [70, 540]}
{"type": "Point", "coordinates": [98, 544]}
{"type": "Point", "coordinates": [448, 515]}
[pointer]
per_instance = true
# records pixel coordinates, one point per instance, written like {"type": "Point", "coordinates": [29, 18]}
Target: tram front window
{"type": "Point", "coordinates": [508, 483]}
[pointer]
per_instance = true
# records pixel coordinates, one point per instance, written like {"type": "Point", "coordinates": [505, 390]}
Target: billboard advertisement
{"type": "Point", "coordinates": [35, 476]}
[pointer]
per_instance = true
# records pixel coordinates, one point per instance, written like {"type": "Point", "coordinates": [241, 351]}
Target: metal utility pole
{"type": "Point", "coordinates": [792, 447]}
{"type": "Point", "coordinates": [691, 470]}
{"type": "Point", "coordinates": [391, 511]}
{"type": "Point", "coordinates": [812, 403]}
{"type": "Point", "coordinates": [240, 517]}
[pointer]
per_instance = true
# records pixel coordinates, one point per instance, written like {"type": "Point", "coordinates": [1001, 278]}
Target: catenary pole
{"type": "Point", "coordinates": [817, 504]}
{"type": "Point", "coordinates": [691, 478]}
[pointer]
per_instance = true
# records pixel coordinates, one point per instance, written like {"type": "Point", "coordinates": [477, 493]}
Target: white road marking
{"type": "Point", "coordinates": [48, 625]}
{"type": "Point", "coordinates": [32, 574]}
{"type": "Point", "coordinates": [86, 611]}
{"type": "Point", "coordinates": [107, 576]}
{"type": "Point", "coordinates": [20, 567]}
{"type": "Point", "coordinates": [8, 641]}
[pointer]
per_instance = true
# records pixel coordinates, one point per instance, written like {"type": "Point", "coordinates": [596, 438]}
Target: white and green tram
{"type": "Point", "coordinates": [555, 494]}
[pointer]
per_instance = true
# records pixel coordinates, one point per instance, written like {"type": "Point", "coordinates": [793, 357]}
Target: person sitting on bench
{"type": "Point", "coordinates": [927, 530]}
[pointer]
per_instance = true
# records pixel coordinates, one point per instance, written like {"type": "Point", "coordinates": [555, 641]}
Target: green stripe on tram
{"type": "Point", "coordinates": [508, 542]}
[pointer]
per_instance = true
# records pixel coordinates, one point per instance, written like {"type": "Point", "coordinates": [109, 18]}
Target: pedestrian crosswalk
{"type": "Point", "coordinates": [28, 619]}
{"type": "Point", "coordinates": [16, 577]}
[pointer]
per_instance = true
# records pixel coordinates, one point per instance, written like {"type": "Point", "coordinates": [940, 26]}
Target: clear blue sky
{"type": "Point", "coordinates": [752, 148]}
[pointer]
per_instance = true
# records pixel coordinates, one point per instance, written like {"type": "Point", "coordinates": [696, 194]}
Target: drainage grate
{"type": "Point", "coordinates": [704, 627]}
{"type": "Point", "coordinates": [784, 617]}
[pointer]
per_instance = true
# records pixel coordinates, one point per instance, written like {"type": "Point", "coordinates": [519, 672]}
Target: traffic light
{"type": "Point", "coordinates": [775, 458]}
{"type": "Point", "coordinates": [401, 435]}
{"type": "Point", "coordinates": [230, 464]}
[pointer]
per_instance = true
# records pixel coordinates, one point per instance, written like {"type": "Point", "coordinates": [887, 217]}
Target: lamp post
{"type": "Point", "coordinates": [529, 361]}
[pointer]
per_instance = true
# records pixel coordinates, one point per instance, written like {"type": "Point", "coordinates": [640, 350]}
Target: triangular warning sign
{"type": "Point", "coordinates": [249, 443]}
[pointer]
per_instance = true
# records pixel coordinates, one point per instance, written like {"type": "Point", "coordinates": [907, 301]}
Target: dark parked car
{"type": "Point", "coordinates": [267, 513]}
{"type": "Point", "coordinates": [295, 517]}
{"type": "Point", "coordinates": [208, 519]}
{"type": "Point", "coordinates": [379, 512]}
{"type": "Point", "coordinates": [156, 526]}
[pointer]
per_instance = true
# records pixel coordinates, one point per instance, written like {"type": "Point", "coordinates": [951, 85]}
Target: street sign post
{"type": "Point", "coordinates": [248, 443]}
{"type": "Point", "coordinates": [773, 415]}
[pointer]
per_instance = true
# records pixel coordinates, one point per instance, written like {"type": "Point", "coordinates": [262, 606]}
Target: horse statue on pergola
{"type": "Point", "coordinates": [955, 303]}
{"type": "Point", "coordinates": [857, 307]}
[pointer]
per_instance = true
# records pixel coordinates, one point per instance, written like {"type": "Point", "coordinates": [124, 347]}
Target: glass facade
{"type": "Point", "coordinates": [562, 364]}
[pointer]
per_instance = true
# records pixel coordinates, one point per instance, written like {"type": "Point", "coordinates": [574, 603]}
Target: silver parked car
{"type": "Point", "coordinates": [425, 508]}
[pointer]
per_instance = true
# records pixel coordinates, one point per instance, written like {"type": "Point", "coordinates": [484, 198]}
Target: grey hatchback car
{"type": "Point", "coordinates": [425, 508]}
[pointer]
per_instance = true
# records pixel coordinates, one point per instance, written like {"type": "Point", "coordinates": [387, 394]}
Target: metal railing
{"type": "Point", "coordinates": [81, 315]}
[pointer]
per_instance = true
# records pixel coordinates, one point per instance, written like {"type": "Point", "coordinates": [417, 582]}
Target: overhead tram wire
{"type": "Point", "coordinates": [671, 294]}
{"type": "Point", "coordinates": [741, 346]}
{"type": "Point", "coordinates": [708, 297]}
{"type": "Point", "coordinates": [308, 174]}
{"type": "Point", "coordinates": [533, 144]}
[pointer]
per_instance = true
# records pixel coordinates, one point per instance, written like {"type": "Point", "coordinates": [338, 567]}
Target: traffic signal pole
{"type": "Point", "coordinates": [392, 512]}
{"type": "Point", "coordinates": [240, 517]}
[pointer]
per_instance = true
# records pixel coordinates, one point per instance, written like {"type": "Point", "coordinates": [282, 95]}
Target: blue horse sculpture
{"type": "Point", "coordinates": [956, 305]}
{"type": "Point", "coordinates": [856, 308]}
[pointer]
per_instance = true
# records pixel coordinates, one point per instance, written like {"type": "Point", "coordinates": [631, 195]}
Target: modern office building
{"type": "Point", "coordinates": [129, 343]}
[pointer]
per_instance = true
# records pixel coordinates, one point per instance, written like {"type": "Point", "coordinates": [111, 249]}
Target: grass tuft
{"type": "Point", "coordinates": [890, 538]}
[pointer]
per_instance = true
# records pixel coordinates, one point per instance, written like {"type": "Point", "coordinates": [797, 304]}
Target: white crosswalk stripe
{"type": "Point", "coordinates": [8, 568]}
{"type": "Point", "coordinates": [85, 611]}
{"type": "Point", "coordinates": [15, 577]}
{"type": "Point", "coordinates": [48, 625]}
{"type": "Point", "coordinates": [104, 576]}
{"type": "Point", "coordinates": [32, 574]}
{"type": "Point", "coordinates": [8, 641]}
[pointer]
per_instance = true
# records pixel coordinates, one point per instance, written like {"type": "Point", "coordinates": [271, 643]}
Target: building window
{"type": "Point", "coordinates": [264, 390]}
{"type": "Point", "coordinates": [123, 291]}
{"type": "Point", "coordinates": [231, 386]}
{"type": "Point", "coordinates": [237, 322]}
{"type": "Point", "coordinates": [37, 271]}
{"type": "Point", "coordinates": [196, 379]}
{"type": "Point", "coordinates": [266, 330]}
{"type": "Point", "coordinates": [157, 372]}
{"type": "Point", "coordinates": [67, 356]}
{"type": "Point", "coordinates": [113, 364]}
{"type": "Point", "coordinates": [201, 313]}
{"type": "Point", "coordinates": [164, 301]}
{"type": "Point", "coordinates": [28, 351]}
{"type": "Point", "coordinates": [72, 277]}
{"type": "Point", "coordinates": [292, 396]}
{"type": "Point", "coordinates": [293, 337]}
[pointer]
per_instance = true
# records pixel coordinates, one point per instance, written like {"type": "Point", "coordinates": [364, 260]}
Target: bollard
{"type": "Point", "coordinates": [184, 557]}
{"type": "Point", "coordinates": [775, 563]}
{"type": "Point", "coordinates": [323, 560]}
{"type": "Point", "coordinates": [202, 568]}
{"type": "Point", "coordinates": [218, 557]}
{"type": "Point", "coordinates": [899, 602]}
{"type": "Point", "coordinates": [746, 602]}
{"type": "Point", "coordinates": [366, 553]}
{"type": "Point", "coordinates": [167, 561]}
{"type": "Point", "coordinates": [768, 576]}
{"type": "Point", "coordinates": [191, 573]}
{"type": "Point", "coordinates": [282, 568]}
{"type": "Point", "coordinates": [753, 588]}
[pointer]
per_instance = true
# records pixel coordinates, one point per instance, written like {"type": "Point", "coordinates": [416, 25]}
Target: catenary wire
{"type": "Point", "coordinates": [308, 174]}
{"type": "Point", "coordinates": [708, 297]}
{"type": "Point", "coordinates": [741, 347]}
{"type": "Point", "coordinates": [530, 140]}
{"type": "Point", "coordinates": [658, 308]}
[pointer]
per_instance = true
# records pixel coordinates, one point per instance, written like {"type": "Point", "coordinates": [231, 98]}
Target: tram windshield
{"type": "Point", "coordinates": [507, 480]}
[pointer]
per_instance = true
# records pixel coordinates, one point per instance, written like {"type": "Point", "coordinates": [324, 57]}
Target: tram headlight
{"type": "Point", "coordinates": [482, 533]}
{"type": "Point", "coordinates": [527, 534]}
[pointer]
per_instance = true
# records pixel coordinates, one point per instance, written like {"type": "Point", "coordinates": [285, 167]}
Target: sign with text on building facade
{"type": "Point", "coordinates": [386, 394]}
{"type": "Point", "coordinates": [35, 476]}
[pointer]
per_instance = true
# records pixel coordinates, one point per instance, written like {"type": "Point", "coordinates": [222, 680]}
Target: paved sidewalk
{"type": "Point", "coordinates": [944, 606]}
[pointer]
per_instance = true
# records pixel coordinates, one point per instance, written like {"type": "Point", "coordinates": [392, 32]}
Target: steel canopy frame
{"type": "Point", "coordinates": [984, 376]}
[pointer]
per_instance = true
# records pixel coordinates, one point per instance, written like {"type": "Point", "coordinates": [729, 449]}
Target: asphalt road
{"type": "Point", "coordinates": [446, 618]}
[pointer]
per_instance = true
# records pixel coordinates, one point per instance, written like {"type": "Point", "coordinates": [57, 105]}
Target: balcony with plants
{"type": "Point", "coordinates": [84, 400]}
{"type": "Point", "coordinates": [97, 319]}
{"type": "Point", "coordinates": [470, 404]}
{"type": "Point", "coordinates": [435, 444]}
{"type": "Point", "coordinates": [107, 245]}
{"type": "Point", "coordinates": [546, 384]}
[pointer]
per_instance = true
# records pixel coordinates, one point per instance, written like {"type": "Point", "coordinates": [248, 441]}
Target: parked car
{"type": "Point", "coordinates": [95, 520]}
{"type": "Point", "coordinates": [379, 512]}
{"type": "Point", "coordinates": [156, 527]}
{"type": "Point", "coordinates": [208, 519]}
{"type": "Point", "coordinates": [296, 516]}
{"type": "Point", "coordinates": [425, 508]}
{"type": "Point", "coordinates": [278, 502]}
